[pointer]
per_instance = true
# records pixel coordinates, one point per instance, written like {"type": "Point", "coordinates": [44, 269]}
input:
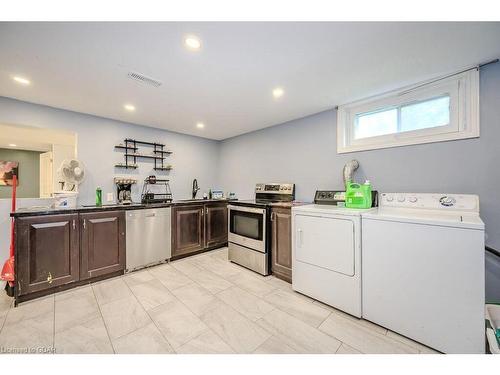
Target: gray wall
{"type": "Point", "coordinates": [303, 151]}
{"type": "Point", "coordinates": [193, 157]}
{"type": "Point", "coordinates": [29, 173]}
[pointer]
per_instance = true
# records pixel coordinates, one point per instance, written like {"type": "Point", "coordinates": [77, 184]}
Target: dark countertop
{"type": "Point", "coordinates": [40, 211]}
{"type": "Point", "coordinates": [288, 204]}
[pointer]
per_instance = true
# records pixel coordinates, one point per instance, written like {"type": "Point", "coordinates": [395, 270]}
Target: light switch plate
{"type": "Point", "coordinates": [109, 197]}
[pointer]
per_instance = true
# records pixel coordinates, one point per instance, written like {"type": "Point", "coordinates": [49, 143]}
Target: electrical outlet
{"type": "Point", "coordinates": [109, 197]}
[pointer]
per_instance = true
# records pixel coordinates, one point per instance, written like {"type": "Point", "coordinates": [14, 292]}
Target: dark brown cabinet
{"type": "Point", "coordinates": [102, 243]}
{"type": "Point", "coordinates": [187, 229]}
{"type": "Point", "coordinates": [55, 252]}
{"type": "Point", "coordinates": [198, 227]}
{"type": "Point", "coordinates": [47, 252]}
{"type": "Point", "coordinates": [281, 243]}
{"type": "Point", "coordinates": [215, 224]}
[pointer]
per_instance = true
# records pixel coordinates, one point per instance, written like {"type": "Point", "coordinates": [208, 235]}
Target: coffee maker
{"type": "Point", "coordinates": [124, 189]}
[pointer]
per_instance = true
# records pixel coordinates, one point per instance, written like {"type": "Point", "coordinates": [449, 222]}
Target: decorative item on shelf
{"type": "Point", "coordinates": [132, 151]}
{"type": "Point", "coordinates": [156, 190]}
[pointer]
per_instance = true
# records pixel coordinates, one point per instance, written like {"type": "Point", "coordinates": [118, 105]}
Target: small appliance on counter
{"type": "Point", "coordinates": [156, 190]}
{"type": "Point", "coordinates": [124, 189]}
{"type": "Point", "coordinates": [216, 194]}
{"type": "Point", "coordinates": [65, 199]}
{"type": "Point", "coordinates": [71, 174]}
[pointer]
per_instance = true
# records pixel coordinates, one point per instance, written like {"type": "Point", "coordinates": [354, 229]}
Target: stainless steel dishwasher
{"type": "Point", "coordinates": [148, 237]}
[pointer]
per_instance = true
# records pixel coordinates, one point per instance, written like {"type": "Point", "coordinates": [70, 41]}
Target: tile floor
{"type": "Point", "coordinates": [202, 304]}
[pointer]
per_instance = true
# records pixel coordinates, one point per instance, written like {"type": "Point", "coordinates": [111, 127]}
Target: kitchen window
{"type": "Point", "coordinates": [442, 110]}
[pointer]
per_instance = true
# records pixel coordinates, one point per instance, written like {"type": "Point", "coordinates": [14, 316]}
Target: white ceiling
{"type": "Point", "coordinates": [227, 84]}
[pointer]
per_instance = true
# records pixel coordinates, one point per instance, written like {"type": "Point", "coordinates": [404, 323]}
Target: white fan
{"type": "Point", "coordinates": [72, 173]}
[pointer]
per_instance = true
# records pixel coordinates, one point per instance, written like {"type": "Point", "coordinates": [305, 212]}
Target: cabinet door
{"type": "Point", "coordinates": [47, 252]}
{"type": "Point", "coordinates": [215, 224]}
{"type": "Point", "coordinates": [281, 243]}
{"type": "Point", "coordinates": [187, 229]}
{"type": "Point", "coordinates": [103, 243]}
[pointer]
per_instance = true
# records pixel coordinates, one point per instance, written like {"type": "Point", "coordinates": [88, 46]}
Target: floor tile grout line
{"type": "Point", "coordinates": [150, 317]}
{"type": "Point", "coordinates": [102, 317]}
{"type": "Point", "coordinates": [324, 320]}
{"type": "Point", "coordinates": [7, 313]}
{"type": "Point", "coordinates": [215, 296]}
{"type": "Point", "coordinates": [210, 329]}
{"type": "Point", "coordinates": [206, 270]}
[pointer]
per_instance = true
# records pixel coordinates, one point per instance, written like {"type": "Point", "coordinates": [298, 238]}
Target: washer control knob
{"type": "Point", "coordinates": [447, 201]}
{"type": "Point", "coordinates": [401, 198]}
{"type": "Point", "coordinates": [389, 198]}
{"type": "Point", "coordinates": [413, 199]}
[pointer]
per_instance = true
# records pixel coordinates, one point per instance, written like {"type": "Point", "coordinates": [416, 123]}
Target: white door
{"type": "Point", "coordinates": [46, 173]}
{"type": "Point", "coordinates": [326, 242]}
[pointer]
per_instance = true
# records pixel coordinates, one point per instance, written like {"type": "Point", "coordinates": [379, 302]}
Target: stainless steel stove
{"type": "Point", "coordinates": [249, 226]}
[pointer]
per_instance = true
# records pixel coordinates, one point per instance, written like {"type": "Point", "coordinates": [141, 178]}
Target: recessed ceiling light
{"type": "Point", "coordinates": [200, 125]}
{"type": "Point", "coordinates": [21, 80]}
{"type": "Point", "coordinates": [192, 42]}
{"type": "Point", "coordinates": [129, 107]}
{"type": "Point", "coordinates": [12, 145]}
{"type": "Point", "coordinates": [278, 92]}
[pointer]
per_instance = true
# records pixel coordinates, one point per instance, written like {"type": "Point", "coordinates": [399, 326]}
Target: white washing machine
{"type": "Point", "coordinates": [326, 255]}
{"type": "Point", "coordinates": [424, 269]}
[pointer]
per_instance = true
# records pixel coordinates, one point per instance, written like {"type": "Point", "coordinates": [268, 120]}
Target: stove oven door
{"type": "Point", "coordinates": [247, 227]}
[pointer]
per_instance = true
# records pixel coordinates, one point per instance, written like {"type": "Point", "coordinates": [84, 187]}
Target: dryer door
{"type": "Point", "coordinates": [326, 242]}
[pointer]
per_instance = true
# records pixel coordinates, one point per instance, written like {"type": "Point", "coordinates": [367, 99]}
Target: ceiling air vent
{"type": "Point", "coordinates": [142, 78]}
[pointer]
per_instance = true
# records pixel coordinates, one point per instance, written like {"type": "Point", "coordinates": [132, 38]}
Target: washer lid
{"type": "Point", "coordinates": [331, 209]}
{"type": "Point", "coordinates": [455, 219]}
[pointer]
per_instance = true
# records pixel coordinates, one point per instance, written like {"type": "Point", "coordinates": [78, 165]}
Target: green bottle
{"type": "Point", "coordinates": [358, 196]}
{"type": "Point", "coordinates": [98, 197]}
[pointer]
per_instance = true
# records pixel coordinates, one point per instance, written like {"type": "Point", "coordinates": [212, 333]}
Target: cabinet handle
{"type": "Point", "coordinates": [273, 215]}
{"type": "Point", "coordinates": [206, 210]}
{"type": "Point", "coordinates": [49, 278]}
{"type": "Point", "coordinates": [202, 212]}
{"type": "Point", "coordinates": [299, 233]}
{"type": "Point", "coordinates": [84, 224]}
{"type": "Point", "coordinates": [74, 224]}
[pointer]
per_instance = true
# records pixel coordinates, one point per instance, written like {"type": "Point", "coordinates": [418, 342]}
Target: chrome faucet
{"type": "Point", "coordinates": [195, 188]}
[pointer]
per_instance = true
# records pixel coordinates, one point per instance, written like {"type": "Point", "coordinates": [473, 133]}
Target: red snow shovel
{"type": "Point", "coordinates": [8, 267]}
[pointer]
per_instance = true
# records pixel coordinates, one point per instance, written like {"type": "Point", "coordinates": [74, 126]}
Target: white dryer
{"type": "Point", "coordinates": [326, 255]}
{"type": "Point", "coordinates": [424, 269]}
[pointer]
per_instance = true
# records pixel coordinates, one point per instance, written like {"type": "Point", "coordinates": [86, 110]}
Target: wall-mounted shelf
{"type": "Point", "coordinates": [129, 166]}
{"type": "Point", "coordinates": [126, 147]}
{"type": "Point", "coordinates": [131, 154]}
{"type": "Point", "coordinates": [145, 156]}
{"type": "Point", "coordinates": [163, 168]}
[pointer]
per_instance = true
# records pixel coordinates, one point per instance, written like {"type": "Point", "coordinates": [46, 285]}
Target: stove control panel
{"type": "Point", "coordinates": [434, 201]}
{"type": "Point", "coordinates": [275, 188]}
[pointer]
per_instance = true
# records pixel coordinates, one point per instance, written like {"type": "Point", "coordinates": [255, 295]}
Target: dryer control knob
{"type": "Point", "coordinates": [389, 198]}
{"type": "Point", "coordinates": [413, 199]}
{"type": "Point", "coordinates": [401, 198]}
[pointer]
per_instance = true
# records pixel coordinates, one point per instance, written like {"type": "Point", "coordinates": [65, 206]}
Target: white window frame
{"type": "Point", "coordinates": [463, 90]}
